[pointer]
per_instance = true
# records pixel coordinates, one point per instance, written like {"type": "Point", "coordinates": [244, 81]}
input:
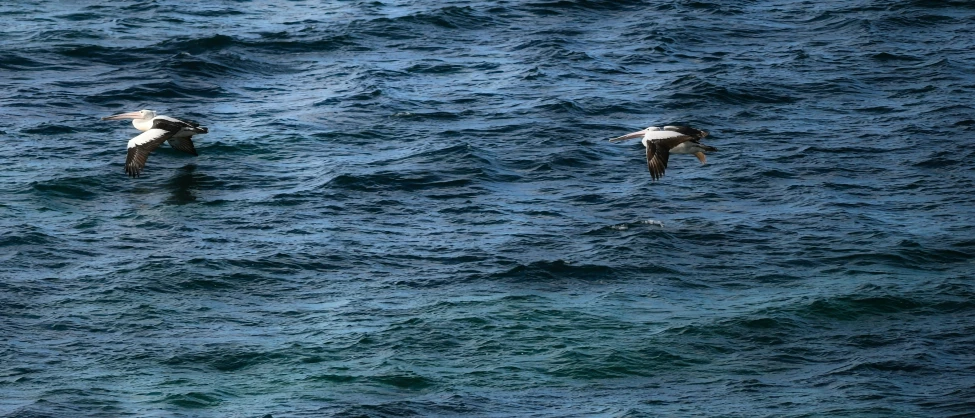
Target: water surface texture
{"type": "Point", "coordinates": [409, 208]}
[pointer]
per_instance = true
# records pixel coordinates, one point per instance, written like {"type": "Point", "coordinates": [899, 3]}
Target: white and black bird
{"type": "Point", "coordinates": [661, 142]}
{"type": "Point", "coordinates": [156, 129]}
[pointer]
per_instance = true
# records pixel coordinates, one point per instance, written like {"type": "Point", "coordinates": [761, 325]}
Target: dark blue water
{"type": "Point", "coordinates": [409, 208]}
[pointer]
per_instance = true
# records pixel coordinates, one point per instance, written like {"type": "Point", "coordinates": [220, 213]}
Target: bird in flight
{"type": "Point", "coordinates": [661, 142]}
{"type": "Point", "coordinates": [156, 129]}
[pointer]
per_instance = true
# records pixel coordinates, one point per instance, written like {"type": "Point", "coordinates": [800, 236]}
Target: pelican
{"type": "Point", "coordinates": [661, 142]}
{"type": "Point", "coordinates": [156, 129]}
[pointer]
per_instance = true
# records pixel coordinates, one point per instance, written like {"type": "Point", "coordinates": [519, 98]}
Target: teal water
{"type": "Point", "coordinates": [409, 208]}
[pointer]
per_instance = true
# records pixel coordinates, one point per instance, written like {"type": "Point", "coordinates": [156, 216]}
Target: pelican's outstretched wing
{"type": "Point", "coordinates": [142, 145]}
{"type": "Point", "coordinates": [658, 152]}
{"type": "Point", "coordinates": [183, 143]}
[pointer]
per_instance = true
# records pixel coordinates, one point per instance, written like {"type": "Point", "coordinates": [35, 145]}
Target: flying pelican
{"type": "Point", "coordinates": [661, 142]}
{"type": "Point", "coordinates": [156, 129]}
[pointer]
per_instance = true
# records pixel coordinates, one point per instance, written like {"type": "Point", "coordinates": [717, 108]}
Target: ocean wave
{"type": "Point", "coordinates": [197, 45]}
{"type": "Point", "coordinates": [158, 92]}
{"type": "Point", "coordinates": [80, 16]}
{"type": "Point", "coordinates": [224, 359]}
{"type": "Point", "coordinates": [559, 7]}
{"type": "Point", "coordinates": [460, 166]}
{"type": "Point", "coordinates": [267, 43]}
{"type": "Point", "coordinates": [411, 26]}
{"type": "Point", "coordinates": [939, 160]}
{"type": "Point", "coordinates": [850, 308]}
{"type": "Point", "coordinates": [62, 35]}
{"type": "Point", "coordinates": [220, 65]}
{"type": "Point", "coordinates": [395, 181]}
{"type": "Point", "coordinates": [71, 187]}
{"type": "Point", "coordinates": [693, 89]}
{"type": "Point", "coordinates": [886, 56]}
{"type": "Point", "coordinates": [436, 115]}
{"type": "Point", "coordinates": [912, 257]}
{"type": "Point", "coordinates": [589, 364]}
{"type": "Point", "coordinates": [435, 68]}
{"type": "Point", "coordinates": [17, 62]}
{"type": "Point", "coordinates": [50, 129]}
{"type": "Point", "coordinates": [913, 19]}
{"type": "Point", "coordinates": [100, 54]}
{"type": "Point", "coordinates": [26, 236]}
{"type": "Point", "coordinates": [644, 225]}
{"type": "Point", "coordinates": [556, 271]}
{"type": "Point", "coordinates": [193, 400]}
{"type": "Point", "coordinates": [456, 405]}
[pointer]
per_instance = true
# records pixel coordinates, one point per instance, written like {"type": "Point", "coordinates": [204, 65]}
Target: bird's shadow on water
{"type": "Point", "coordinates": [183, 186]}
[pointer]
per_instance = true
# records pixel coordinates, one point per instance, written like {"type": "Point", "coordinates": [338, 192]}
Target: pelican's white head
{"type": "Point", "coordinates": [142, 119]}
{"type": "Point", "coordinates": [141, 114]}
{"type": "Point", "coordinates": [637, 134]}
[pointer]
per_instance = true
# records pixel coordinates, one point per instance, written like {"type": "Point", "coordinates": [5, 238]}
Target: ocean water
{"type": "Point", "coordinates": [409, 208]}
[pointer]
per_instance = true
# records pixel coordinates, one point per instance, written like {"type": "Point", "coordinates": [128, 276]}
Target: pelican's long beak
{"type": "Point", "coordinates": [130, 115]}
{"type": "Point", "coordinates": [630, 135]}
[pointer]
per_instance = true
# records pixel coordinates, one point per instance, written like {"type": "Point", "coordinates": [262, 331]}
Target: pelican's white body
{"type": "Point", "coordinates": [654, 133]}
{"type": "Point", "coordinates": [144, 123]}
